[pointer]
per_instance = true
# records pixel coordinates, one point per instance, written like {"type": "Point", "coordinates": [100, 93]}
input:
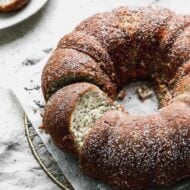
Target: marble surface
{"type": "Point", "coordinates": [29, 41]}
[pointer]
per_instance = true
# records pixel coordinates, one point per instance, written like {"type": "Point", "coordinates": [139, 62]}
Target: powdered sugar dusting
{"type": "Point", "coordinates": [67, 66]}
{"type": "Point", "coordinates": [128, 150]}
{"type": "Point", "coordinates": [136, 151]}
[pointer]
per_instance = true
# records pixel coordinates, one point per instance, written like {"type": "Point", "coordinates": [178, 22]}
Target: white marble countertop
{"type": "Point", "coordinates": [18, 168]}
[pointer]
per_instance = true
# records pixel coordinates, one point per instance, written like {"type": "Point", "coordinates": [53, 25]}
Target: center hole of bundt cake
{"type": "Point", "coordinates": [138, 98]}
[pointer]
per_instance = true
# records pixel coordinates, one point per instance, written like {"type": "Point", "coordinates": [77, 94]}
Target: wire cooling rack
{"type": "Point", "coordinates": [44, 157]}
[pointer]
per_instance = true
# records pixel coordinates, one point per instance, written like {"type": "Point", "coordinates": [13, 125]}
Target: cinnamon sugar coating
{"type": "Point", "coordinates": [67, 66]}
{"type": "Point", "coordinates": [111, 49]}
{"type": "Point", "coordinates": [85, 43]}
{"type": "Point", "coordinates": [136, 152]}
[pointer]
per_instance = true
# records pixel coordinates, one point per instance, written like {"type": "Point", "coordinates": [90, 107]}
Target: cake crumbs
{"type": "Point", "coordinates": [121, 95]}
{"type": "Point", "coordinates": [144, 92]}
{"type": "Point", "coordinates": [38, 104]}
{"type": "Point", "coordinates": [30, 62]}
{"type": "Point", "coordinates": [37, 87]}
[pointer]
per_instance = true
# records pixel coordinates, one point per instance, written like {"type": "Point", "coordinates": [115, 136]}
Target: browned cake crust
{"type": "Point", "coordinates": [67, 66]}
{"type": "Point", "coordinates": [125, 150]}
{"type": "Point", "coordinates": [57, 114]}
{"type": "Point", "coordinates": [135, 151]}
{"type": "Point", "coordinates": [124, 33]}
{"type": "Point", "coordinates": [13, 5]}
{"type": "Point", "coordinates": [85, 43]}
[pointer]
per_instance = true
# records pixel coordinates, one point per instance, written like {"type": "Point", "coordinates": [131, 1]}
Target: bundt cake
{"type": "Point", "coordinates": [86, 71]}
{"type": "Point", "coordinates": [12, 5]}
